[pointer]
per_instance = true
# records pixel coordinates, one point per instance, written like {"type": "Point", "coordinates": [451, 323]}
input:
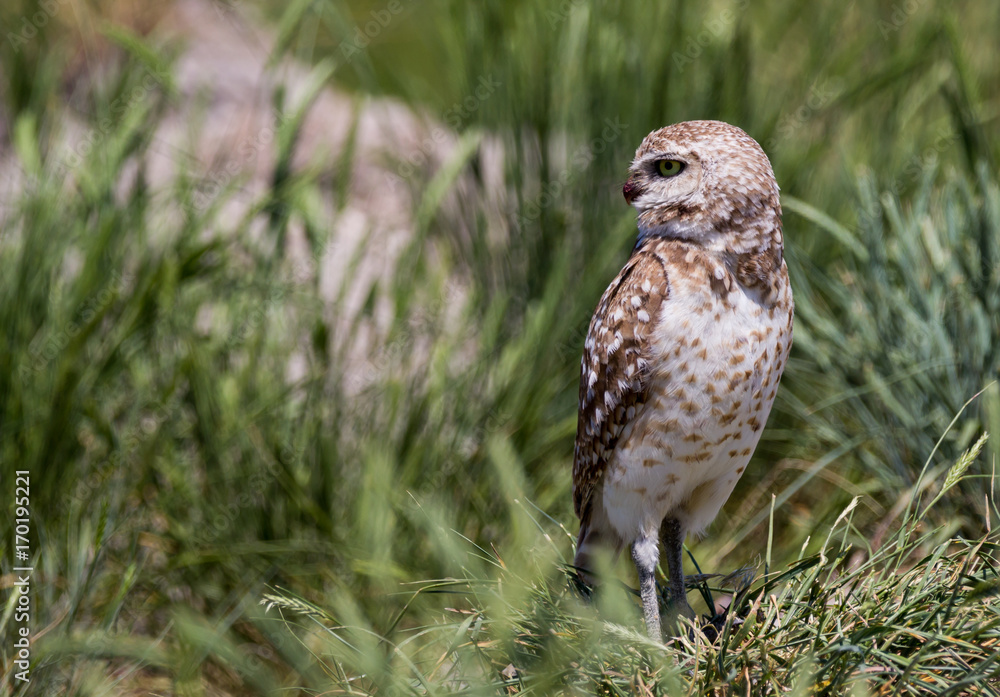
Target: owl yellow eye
{"type": "Point", "coordinates": [669, 168]}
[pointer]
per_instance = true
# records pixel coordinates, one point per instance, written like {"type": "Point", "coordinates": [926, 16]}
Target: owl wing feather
{"type": "Point", "coordinates": [614, 368]}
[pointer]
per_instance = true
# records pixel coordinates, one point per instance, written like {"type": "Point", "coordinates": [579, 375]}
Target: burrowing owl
{"type": "Point", "coordinates": [684, 352]}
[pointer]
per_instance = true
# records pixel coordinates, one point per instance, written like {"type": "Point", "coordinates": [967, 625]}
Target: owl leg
{"type": "Point", "coordinates": [646, 554]}
{"type": "Point", "coordinates": [672, 537]}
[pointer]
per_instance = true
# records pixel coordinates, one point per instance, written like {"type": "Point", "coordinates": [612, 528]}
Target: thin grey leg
{"type": "Point", "coordinates": [672, 538]}
{"type": "Point", "coordinates": [646, 554]}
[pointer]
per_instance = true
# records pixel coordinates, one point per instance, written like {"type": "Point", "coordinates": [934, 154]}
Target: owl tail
{"type": "Point", "coordinates": [585, 546]}
{"type": "Point", "coordinates": [595, 537]}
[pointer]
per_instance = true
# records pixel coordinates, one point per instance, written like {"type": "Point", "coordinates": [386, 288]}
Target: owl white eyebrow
{"type": "Point", "coordinates": [653, 158]}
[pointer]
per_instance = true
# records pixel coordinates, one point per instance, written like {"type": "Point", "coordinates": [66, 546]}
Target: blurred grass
{"type": "Point", "coordinates": [841, 621]}
{"type": "Point", "coordinates": [176, 472]}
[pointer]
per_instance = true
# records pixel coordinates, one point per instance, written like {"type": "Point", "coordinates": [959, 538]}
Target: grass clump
{"type": "Point", "coordinates": [916, 616]}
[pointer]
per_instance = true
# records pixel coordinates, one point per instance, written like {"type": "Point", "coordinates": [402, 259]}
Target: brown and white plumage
{"type": "Point", "coordinates": [682, 360]}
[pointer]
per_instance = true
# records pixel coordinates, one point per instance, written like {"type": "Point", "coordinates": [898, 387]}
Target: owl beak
{"type": "Point", "coordinates": [631, 191]}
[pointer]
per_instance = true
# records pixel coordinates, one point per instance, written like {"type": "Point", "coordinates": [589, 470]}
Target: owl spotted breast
{"type": "Point", "coordinates": [684, 353]}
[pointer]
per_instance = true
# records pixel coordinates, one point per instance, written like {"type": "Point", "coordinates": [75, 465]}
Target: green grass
{"type": "Point", "coordinates": [846, 620]}
{"type": "Point", "coordinates": [421, 510]}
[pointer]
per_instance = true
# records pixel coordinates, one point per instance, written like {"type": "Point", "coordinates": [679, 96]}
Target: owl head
{"type": "Point", "coordinates": [705, 182]}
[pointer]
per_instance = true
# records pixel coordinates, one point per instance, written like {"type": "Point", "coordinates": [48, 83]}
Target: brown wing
{"type": "Point", "coordinates": [614, 366]}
